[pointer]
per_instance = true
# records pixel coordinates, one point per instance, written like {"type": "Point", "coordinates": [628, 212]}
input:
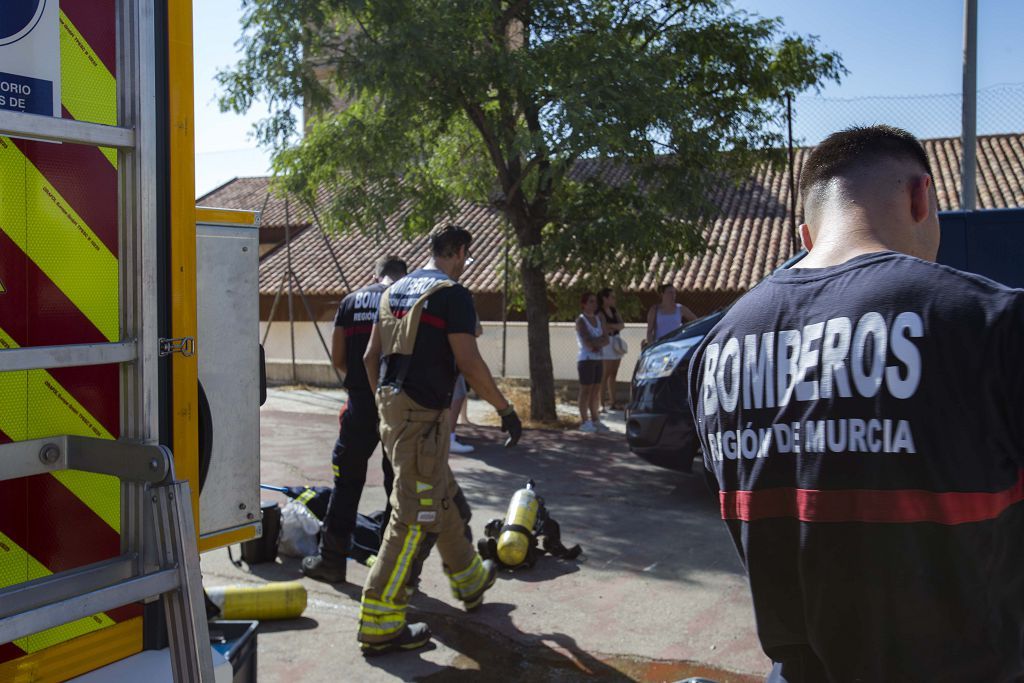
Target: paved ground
{"type": "Point", "coordinates": [658, 596]}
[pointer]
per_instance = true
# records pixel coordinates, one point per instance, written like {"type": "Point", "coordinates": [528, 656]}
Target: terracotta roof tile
{"type": "Point", "coordinates": [750, 237]}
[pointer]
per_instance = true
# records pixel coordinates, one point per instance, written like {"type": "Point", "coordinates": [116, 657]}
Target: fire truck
{"type": "Point", "coordinates": [129, 357]}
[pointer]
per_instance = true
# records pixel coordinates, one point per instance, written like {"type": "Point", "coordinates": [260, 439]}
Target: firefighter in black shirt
{"type": "Point", "coordinates": [424, 335]}
{"type": "Point", "coordinates": [358, 436]}
{"type": "Point", "coordinates": [862, 415]}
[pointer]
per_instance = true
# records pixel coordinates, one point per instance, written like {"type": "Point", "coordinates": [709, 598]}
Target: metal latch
{"type": "Point", "coordinates": [186, 346]}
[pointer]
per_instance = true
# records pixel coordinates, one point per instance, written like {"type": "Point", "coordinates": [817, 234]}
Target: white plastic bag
{"type": "Point", "coordinates": [299, 529]}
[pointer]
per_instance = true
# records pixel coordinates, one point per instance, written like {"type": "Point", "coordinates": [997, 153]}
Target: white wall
{"type": "Point", "coordinates": [563, 347]}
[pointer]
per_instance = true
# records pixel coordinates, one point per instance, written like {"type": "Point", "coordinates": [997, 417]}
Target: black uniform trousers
{"type": "Point", "coordinates": [357, 440]}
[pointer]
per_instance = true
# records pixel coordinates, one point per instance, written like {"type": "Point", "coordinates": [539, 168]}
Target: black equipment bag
{"type": "Point", "coordinates": [367, 536]}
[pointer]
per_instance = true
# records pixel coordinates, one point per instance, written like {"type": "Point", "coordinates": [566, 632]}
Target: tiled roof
{"type": "Point", "coordinates": [749, 238]}
{"type": "Point", "coordinates": [313, 256]}
{"type": "Point", "coordinates": [253, 194]}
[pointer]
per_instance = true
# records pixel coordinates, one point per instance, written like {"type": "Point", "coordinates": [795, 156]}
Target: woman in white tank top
{"type": "Point", "coordinates": [666, 315]}
{"type": "Point", "coordinates": [591, 338]}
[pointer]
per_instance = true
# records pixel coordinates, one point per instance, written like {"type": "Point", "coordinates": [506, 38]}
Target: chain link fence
{"type": "Point", "coordinates": [1000, 111]}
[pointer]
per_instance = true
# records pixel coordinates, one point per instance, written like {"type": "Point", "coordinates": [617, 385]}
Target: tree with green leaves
{"type": "Point", "coordinates": [599, 128]}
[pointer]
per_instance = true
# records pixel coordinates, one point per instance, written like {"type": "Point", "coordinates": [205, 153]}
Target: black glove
{"type": "Point", "coordinates": [511, 424]}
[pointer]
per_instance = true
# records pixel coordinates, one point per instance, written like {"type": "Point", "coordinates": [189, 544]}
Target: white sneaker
{"type": "Point", "coordinates": [588, 427]}
{"type": "Point", "coordinates": [601, 427]}
{"type": "Point", "coordinates": [458, 447]}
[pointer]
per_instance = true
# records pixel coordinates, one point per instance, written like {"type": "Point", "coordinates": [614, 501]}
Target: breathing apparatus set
{"type": "Point", "coordinates": [526, 533]}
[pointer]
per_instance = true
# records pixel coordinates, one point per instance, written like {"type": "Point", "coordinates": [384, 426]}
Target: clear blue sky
{"type": "Point", "coordinates": [892, 48]}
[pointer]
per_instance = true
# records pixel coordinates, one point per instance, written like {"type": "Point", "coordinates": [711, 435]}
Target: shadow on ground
{"type": "Point", "coordinates": [618, 507]}
{"type": "Point", "coordinates": [484, 654]}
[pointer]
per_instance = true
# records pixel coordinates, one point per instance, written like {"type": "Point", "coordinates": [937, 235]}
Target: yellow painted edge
{"type": "Point", "coordinates": [226, 538]}
{"type": "Point", "coordinates": [181, 119]}
{"type": "Point", "coordinates": [206, 214]}
{"type": "Point", "coordinates": [78, 656]}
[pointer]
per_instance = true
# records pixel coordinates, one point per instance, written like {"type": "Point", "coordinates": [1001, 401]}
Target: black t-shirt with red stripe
{"type": "Point", "coordinates": [355, 316]}
{"type": "Point", "coordinates": [430, 371]}
{"type": "Point", "coordinates": [865, 425]}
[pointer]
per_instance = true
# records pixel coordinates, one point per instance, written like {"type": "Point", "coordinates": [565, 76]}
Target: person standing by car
{"type": "Point", "coordinates": [666, 315]}
{"type": "Point", "coordinates": [423, 336]}
{"type": "Point", "coordinates": [591, 339]}
{"type": "Point", "coordinates": [459, 400]}
{"type": "Point", "coordinates": [357, 432]}
{"type": "Point", "coordinates": [611, 356]}
{"type": "Point", "coordinates": [862, 415]}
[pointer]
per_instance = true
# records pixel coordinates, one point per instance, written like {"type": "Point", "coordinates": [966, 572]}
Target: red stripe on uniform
{"type": "Point", "coordinates": [84, 178]}
{"type": "Point", "coordinates": [861, 505]}
{"type": "Point", "coordinates": [96, 21]}
{"type": "Point", "coordinates": [425, 317]}
{"type": "Point", "coordinates": [433, 321]}
{"type": "Point", "coordinates": [358, 329]}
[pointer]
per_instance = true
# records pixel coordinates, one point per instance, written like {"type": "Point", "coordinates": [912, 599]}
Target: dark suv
{"type": "Point", "coordinates": [659, 427]}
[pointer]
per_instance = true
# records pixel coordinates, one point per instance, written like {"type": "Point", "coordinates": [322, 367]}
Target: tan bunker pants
{"type": "Point", "coordinates": [416, 441]}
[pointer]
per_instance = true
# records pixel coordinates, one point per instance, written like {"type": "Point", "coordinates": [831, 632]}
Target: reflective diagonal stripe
{"type": "Point", "coordinates": [410, 547]}
{"type": "Point", "coordinates": [57, 240]}
{"type": "Point", "coordinates": [94, 20]}
{"type": "Point", "coordinates": [88, 89]}
{"type": "Point", "coordinates": [55, 411]}
{"type": "Point", "coordinates": [83, 178]}
{"type": "Point", "coordinates": [17, 566]}
{"type": "Point", "coordinates": [37, 313]}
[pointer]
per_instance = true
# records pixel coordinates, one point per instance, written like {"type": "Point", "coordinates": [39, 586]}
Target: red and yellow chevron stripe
{"type": "Point", "coordinates": [59, 269]}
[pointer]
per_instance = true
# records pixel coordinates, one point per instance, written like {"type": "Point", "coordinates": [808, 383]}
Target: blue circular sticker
{"type": "Point", "coordinates": [18, 18]}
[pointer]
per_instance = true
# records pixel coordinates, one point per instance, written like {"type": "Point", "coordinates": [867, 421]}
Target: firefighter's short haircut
{"type": "Point", "coordinates": [391, 266]}
{"type": "Point", "coordinates": [850, 149]}
{"type": "Point", "coordinates": [447, 241]}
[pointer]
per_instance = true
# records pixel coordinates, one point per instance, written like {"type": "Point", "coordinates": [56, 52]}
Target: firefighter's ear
{"type": "Point", "coordinates": [805, 236]}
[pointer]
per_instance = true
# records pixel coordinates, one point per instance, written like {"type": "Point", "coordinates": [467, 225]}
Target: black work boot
{"type": "Point", "coordinates": [329, 564]}
{"type": "Point", "coordinates": [473, 602]}
{"type": "Point", "coordinates": [412, 637]}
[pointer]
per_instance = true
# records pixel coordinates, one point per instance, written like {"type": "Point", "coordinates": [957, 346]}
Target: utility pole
{"type": "Point", "coordinates": [970, 106]}
{"type": "Point", "coordinates": [792, 177]}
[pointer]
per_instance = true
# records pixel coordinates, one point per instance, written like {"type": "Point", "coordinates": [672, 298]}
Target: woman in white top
{"type": "Point", "coordinates": [591, 338]}
{"type": "Point", "coordinates": [666, 315]}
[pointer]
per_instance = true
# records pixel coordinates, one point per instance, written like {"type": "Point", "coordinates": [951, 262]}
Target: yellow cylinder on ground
{"type": "Point", "coordinates": [276, 600]}
{"type": "Point", "coordinates": [514, 544]}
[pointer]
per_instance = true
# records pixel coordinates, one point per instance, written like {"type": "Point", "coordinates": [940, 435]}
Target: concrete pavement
{"type": "Point", "coordinates": [659, 594]}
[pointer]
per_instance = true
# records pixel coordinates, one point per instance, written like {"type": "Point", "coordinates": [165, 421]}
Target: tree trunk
{"type": "Point", "coordinates": [542, 374]}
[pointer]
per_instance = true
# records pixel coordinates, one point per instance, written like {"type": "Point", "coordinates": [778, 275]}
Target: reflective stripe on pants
{"type": "Point", "coordinates": [416, 442]}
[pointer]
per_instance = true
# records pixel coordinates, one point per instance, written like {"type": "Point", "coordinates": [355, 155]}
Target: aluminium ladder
{"type": "Point", "coordinates": [159, 555]}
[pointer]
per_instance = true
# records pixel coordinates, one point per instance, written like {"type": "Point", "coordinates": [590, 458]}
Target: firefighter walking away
{"type": "Point", "coordinates": [425, 335]}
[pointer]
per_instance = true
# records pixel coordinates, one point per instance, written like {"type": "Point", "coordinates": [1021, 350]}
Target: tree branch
{"type": "Point", "coordinates": [479, 120]}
